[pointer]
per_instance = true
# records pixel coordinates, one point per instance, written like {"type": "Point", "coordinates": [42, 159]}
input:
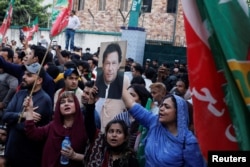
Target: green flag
{"type": "Point", "coordinates": [228, 24]}
{"type": "Point", "coordinates": [31, 29]}
{"type": "Point", "coordinates": [60, 16]}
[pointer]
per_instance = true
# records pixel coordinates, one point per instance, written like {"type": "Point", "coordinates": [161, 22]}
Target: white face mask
{"type": "Point", "coordinates": [87, 51]}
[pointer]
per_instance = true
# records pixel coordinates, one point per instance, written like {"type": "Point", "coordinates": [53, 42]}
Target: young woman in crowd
{"type": "Point", "coordinates": [140, 95]}
{"type": "Point", "coordinates": [169, 142]}
{"type": "Point", "coordinates": [111, 148]}
{"type": "Point", "coordinates": [137, 132]}
{"type": "Point", "coordinates": [68, 121]}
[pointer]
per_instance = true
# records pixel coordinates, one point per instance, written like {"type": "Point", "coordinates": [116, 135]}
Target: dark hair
{"type": "Point", "coordinates": [138, 80]}
{"type": "Point", "coordinates": [182, 70]}
{"type": "Point", "coordinates": [10, 52]}
{"type": "Point", "coordinates": [95, 62]}
{"type": "Point", "coordinates": [84, 64]}
{"type": "Point", "coordinates": [150, 73]}
{"type": "Point", "coordinates": [138, 67]}
{"type": "Point", "coordinates": [123, 125]}
{"type": "Point", "coordinates": [142, 92]}
{"type": "Point", "coordinates": [70, 64]}
{"type": "Point", "coordinates": [53, 70]}
{"type": "Point", "coordinates": [77, 49]}
{"type": "Point", "coordinates": [73, 11]}
{"type": "Point", "coordinates": [65, 53]}
{"type": "Point", "coordinates": [124, 149]}
{"type": "Point", "coordinates": [89, 84]}
{"type": "Point", "coordinates": [184, 79]}
{"type": "Point", "coordinates": [113, 47]}
{"type": "Point", "coordinates": [40, 52]}
{"type": "Point", "coordinates": [21, 54]}
{"type": "Point", "coordinates": [165, 64]}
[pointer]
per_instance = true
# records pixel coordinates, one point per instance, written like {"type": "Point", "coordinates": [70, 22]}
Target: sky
{"type": "Point", "coordinates": [46, 2]}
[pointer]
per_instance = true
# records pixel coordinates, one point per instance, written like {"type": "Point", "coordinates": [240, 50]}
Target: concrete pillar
{"type": "Point", "coordinates": [136, 39]}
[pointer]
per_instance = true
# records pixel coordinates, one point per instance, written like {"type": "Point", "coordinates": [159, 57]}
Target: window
{"type": "Point", "coordinates": [124, 5]}
{"type": "Point", "coordinates": [81, 4]}
{"type": "Point", "coordinates": [102, 4]}
{"type": "Point", "coordinates": [146, 6]}
{"type": "Point", "coordinates": [171, 6]}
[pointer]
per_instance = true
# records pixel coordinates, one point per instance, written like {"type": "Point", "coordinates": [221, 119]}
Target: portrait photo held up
{"type": "Point", "coordinates": [110, 70]}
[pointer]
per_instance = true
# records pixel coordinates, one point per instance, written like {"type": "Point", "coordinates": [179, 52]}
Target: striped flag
{"type": "Point", "coordinates": [31, 29]}
{"type": "Point", "coordinates": [228, 22]}
{"type": "Point", "coordinates": [213, 29]}
{"type": "Point", "coordinates": [7, 20]}
{"type": "Point", "coordinates": [60, 16]}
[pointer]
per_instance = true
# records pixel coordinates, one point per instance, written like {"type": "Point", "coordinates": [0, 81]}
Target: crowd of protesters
{"type": "Point", "coordinates": [45, 97]}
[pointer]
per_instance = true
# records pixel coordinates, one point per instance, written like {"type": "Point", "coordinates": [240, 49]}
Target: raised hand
{"type": "Point", "coordinates": [30, 113]}
{"type": "Point", "coordinates": [92, 95]}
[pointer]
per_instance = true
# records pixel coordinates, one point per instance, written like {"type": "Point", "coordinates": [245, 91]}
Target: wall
{"type": "Point", "coordinates": [165, 53]}
{"type": "Point", "coordinates": [158, 24]}
{"type": "Point", "coordinates": [82, 38]}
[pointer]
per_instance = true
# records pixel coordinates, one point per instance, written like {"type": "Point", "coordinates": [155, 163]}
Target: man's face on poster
{"type": "Point", "coordinates": [111, 66]}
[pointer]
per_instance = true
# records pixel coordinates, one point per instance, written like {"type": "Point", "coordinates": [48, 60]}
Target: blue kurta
{"type": "Point", "coordinates": [19, 150]}
{"type": "Point", "coordinates": [164, 149]}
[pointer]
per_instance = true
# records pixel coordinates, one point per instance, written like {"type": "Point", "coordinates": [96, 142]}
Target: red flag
{"type": "Point", "coordinates": [26, 28]}
{"type": "Point", "coordinates": [60, 16]}
{"type": "Point", "coordinates": [7, 20]}
{"type": "Point", "coordinates": [30, 30]}
{"type": "Point", "coordinates": [212, 122]}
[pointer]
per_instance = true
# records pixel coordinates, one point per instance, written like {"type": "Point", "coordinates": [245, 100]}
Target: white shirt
{"type": "Point", "coordinates": [148, 83]}
{"type": "Point", "coordinates": [74, 22]}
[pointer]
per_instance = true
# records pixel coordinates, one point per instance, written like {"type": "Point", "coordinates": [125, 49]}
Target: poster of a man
{"type": "Point", "coordinates": [111, 69]}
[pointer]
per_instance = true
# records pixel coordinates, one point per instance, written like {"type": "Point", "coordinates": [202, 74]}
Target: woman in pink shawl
{"type": "Point", "coordinates": [68, 121]}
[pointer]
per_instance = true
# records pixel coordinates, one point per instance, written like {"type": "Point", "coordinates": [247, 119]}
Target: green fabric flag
{"type": "Point", "coordinates": [32, 28]}
{"type": "Point", "coordinates": [228, 25]}
{"type": "Point", "coordinates": [60, 16]}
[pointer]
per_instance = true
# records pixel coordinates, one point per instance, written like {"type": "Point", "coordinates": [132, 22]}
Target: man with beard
{"type": "Point", "coordinates": [34, 55]}
{"type": "Point", "coordinates": [8, 83]}
{"type": "Point", "coordinates": [21, 151]}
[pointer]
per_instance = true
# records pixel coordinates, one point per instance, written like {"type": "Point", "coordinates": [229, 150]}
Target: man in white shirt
{"type": "Point", "coordinates": [73, 24]}
{"type": "Point", "coordinates": [43, 42]}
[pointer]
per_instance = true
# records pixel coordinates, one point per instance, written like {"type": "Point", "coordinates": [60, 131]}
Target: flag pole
{"type": "Point", "coordinates": [33, 87]}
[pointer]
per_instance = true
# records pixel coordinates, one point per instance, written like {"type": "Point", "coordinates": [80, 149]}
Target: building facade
{"type": "Point", "coordinates": [162, 19]}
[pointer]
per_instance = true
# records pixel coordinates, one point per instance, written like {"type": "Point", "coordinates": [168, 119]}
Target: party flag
{"type": "Point", "coordinates": [7, 20]}
{"type": "Point", "coordinates": [60, 16]}
{"type": "Point", "coordinates": [31, 29]}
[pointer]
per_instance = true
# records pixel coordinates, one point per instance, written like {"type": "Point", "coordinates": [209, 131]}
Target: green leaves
{"type": "Point", "coordinates": [25, 11]}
